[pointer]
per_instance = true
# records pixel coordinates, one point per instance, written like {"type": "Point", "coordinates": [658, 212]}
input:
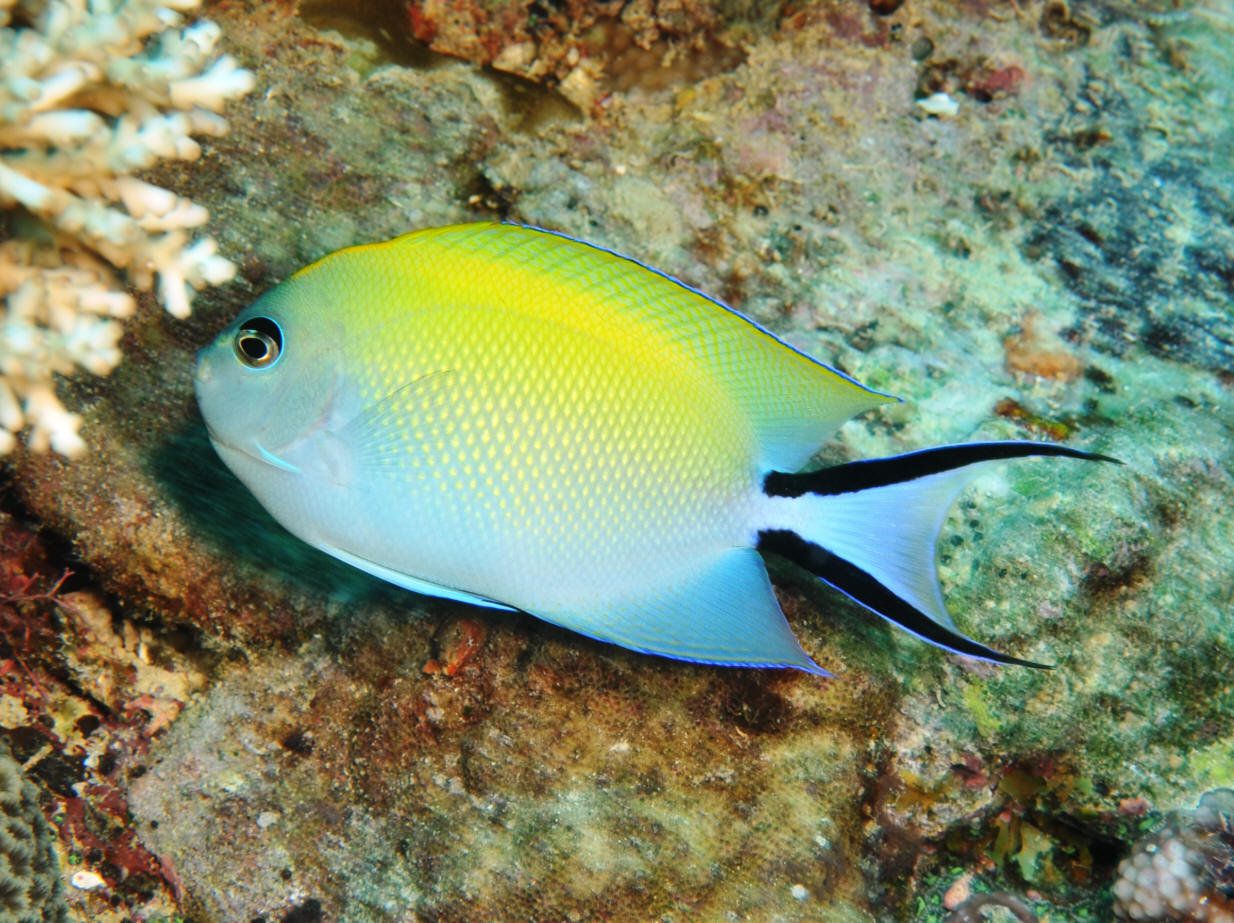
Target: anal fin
{"type": "Point", "coordinates": [725, 613]}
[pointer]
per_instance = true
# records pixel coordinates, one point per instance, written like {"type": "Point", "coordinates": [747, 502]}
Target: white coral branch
{"type": "Point", "coordinates": [90, 92]}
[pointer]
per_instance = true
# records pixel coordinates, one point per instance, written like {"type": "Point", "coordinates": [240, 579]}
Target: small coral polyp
{"type": "Point", "coordinates": [1185, 871]}
{"type": "Point", "coordinates": [30, 889]}
{"type": "Point", "coordinates": [91, 93]}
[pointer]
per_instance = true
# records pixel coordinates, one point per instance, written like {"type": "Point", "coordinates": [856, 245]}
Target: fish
{"type": "Point", "coordinates": [505, 416]}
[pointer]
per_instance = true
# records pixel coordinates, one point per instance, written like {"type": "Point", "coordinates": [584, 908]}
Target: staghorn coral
{"type": "Point", "coordinates": [90, 94]}
{"type": "Point", "coordinates": [29, 870]}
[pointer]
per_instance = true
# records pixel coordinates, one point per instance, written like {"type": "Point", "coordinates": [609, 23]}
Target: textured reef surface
{"type": "Point", "coordinates": [1016, 215]}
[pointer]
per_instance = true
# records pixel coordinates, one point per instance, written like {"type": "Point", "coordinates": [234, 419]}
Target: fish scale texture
{"type": "Point", "coordinates": [792, 402]}
{"type": "Point", "coordinates": [544, 435]}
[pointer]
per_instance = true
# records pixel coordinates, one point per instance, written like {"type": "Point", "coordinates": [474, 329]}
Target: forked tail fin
{"type": "Point", "coordinates": [869, 528]}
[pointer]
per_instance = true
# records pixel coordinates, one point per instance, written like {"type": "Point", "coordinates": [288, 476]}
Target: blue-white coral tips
{"type": "Point", "coordinates": [511, 418]}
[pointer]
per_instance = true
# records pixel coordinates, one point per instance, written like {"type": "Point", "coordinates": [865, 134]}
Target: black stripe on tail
{"type": "Point", "coordinates": [859, 586]}
{"type": "Point", "coordinates": [857, 583]}
{"type": "Point", "coordinates": [879, 472]}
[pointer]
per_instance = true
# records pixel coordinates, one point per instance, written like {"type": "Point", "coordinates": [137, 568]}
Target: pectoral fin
{"type": "Point", "coordinates": [380, 435]}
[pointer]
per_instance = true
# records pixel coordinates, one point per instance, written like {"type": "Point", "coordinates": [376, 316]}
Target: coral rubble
{"type": "Point", "coordinates": [91, 94]}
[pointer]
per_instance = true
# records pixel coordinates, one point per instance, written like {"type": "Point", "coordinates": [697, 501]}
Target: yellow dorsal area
{"type": "Point", "coordinates": [792, 403]}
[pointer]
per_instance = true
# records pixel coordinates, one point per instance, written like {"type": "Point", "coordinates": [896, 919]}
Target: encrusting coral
{"type": "Point", "coordinates": [91, 93]}
{"type": "Point", "coordinates": [29, 870]}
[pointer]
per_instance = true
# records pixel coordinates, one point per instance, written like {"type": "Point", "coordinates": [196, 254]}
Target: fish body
{"type": "Point", "coordinates": [508, 417]}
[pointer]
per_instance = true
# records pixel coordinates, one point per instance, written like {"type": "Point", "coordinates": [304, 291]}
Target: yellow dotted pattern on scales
{"type": "Point", "coordinates": [535, 426]}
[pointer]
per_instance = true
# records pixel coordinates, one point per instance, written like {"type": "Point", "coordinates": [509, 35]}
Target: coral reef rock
{"type": "Point", "coordinates": [1054, 262]}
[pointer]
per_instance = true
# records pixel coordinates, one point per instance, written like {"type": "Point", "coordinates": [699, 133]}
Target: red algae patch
{"type": "Point", "coordinates": [1040, 352]}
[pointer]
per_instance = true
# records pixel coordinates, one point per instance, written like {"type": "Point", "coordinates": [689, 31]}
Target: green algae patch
{"type": "Point", "coordinates": [1213, 766]}
{"type": "Point", "coordinates": [980, 710]}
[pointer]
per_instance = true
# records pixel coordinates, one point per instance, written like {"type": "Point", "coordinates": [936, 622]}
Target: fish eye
{"type": "Point", "coordinates": [259, 342]}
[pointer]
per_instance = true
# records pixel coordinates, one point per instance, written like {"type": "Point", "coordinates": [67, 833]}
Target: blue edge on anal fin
{"type": "Point", "coordinates": [726, 614]}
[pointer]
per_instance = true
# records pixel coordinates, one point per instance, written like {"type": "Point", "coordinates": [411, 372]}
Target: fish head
{"type": "Point", "coordinates": [268, 382]}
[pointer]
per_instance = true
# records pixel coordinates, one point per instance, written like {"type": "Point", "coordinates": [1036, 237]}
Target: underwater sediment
{"type": "Point", "coordinates": [1016, 216]}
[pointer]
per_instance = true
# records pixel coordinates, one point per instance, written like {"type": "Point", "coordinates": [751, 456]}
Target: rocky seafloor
{"type": "Point", "coordinates": [227, 726]}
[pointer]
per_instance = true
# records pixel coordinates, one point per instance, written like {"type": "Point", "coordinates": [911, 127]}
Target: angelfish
{"type": "Point", "coordinates": [515, 419]}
